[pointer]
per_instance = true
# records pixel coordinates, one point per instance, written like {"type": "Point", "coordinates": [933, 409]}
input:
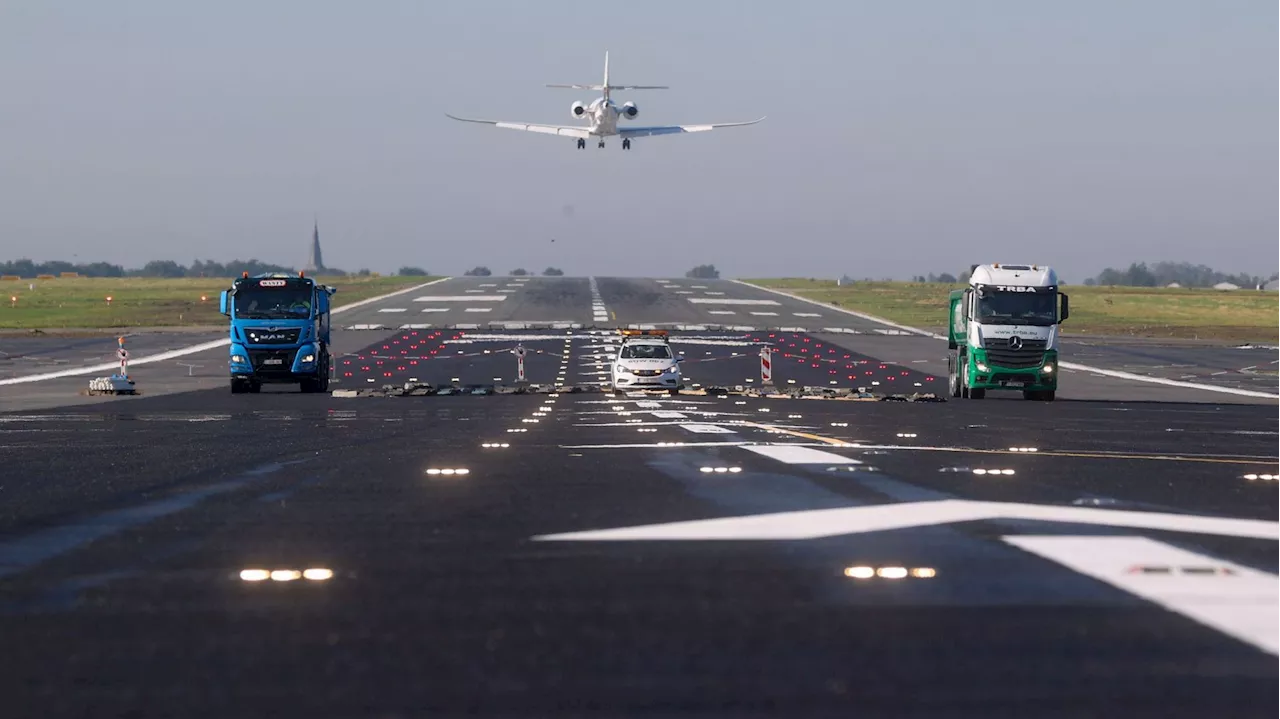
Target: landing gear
{"type": "Point", "coordinates": [601, 145]}
{"type": "Point", "coordinates": [626, 143]}
{"type": "Point", "coordinates": [582, 143]}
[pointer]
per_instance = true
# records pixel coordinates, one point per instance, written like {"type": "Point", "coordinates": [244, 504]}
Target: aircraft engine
{"type": "Point", "coordinates": [578, 109]}
{"type": "Point", "coordinates": [629, 110]}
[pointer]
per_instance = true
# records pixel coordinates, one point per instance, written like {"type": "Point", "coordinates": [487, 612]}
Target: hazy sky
{"type": "Point", "coordinates": [901, 137]}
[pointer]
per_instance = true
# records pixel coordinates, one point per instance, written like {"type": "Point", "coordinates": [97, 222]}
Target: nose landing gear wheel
{"type": "Point", "coordinates": [581, 143]}
{"type": "Point", "coordinates": [601, 145]}
{"type": "Point", "coordinates": [626, 144]}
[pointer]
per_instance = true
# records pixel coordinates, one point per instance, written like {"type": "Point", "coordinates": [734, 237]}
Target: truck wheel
{"type": "Point", "coordinates": [1030, 394]}
{"type": "Point", "coordinates": [239, 386]}
{"type": "Point", "coordinates": [975, 393]}
{"type": "Point", "coordinates": [255, 387]}
{"type": "Point", "coordinates": [962, 367]}
{"type": "Point", "coordinates": [1047, 395]}
{"type": "Point", "coordinates": [953, 376]}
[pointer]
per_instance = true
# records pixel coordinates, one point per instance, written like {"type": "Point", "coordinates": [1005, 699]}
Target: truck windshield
{"type": "Point", "coordinates": [1018, 308]}
{"type": "Point", "coordinates": [284, 303]}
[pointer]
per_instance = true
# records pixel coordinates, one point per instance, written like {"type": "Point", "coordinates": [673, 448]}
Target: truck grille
{"type": "Point", "coordinates": [271, 361]}
{"type": "Point", "coordinates": [264, 336]}
{"type": "Point", "coordinates": [1000, 354]}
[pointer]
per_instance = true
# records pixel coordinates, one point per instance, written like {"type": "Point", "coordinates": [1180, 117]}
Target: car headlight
{"type": "Point", "coordinates": [239, 359]}
{"type": "Point", "coordinates": [981, 367]}
{"type": "Point", "coordinates": [309, 358]}
{"type": "Point", "coordinates": [673, 369]}
{"type": "Point", "coordinates": [623, 370]}
{"type": "Point", "coordinates": [1047, 369]}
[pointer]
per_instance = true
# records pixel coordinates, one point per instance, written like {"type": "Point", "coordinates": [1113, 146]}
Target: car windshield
{"type": "Point", "coordinates": [285, 303]}
{"type": "Point", "coordinates": [646, 352]}
{"type": "Point", "coordinates": [1017, 308]}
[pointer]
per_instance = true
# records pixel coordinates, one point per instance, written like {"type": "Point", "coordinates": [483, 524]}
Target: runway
{"type": "Point", "coordinates": [189, 552]}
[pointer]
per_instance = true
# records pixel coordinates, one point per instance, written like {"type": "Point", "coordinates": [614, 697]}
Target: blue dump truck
{"type": "Point", "coordinates": [279, 331]}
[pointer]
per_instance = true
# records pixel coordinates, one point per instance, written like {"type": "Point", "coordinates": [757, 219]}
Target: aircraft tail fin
{"type": "Point", "coordinates": [606, 88]}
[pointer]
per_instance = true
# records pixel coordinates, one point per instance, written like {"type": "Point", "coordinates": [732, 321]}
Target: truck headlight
{"type": "Point", "coordinates": [981, 367]}
{"type": "Point", "coordinates": [308, 359]}
{"type": "Point", "coordinates": [1047, 369]}
{"type": "Point", "coordinates": [239, 359]}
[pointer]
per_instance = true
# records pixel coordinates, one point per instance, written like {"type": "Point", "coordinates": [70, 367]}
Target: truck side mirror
{"type": "Point", "coordinates": [222, 302]}
{"type": "Point", "coordinates": [1066, 308]}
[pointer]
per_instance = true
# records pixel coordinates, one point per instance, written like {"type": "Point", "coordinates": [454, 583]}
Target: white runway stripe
{"type": "Point", "coordinates": [392, 309]}
{"type": "Point", "coordinates": [460, 298]}
{"type": "Point", "coordinates": [794, 454]}
{"type": "Point", "coordinates": [1231, 598]}
{"type": "Point", "coordinates": [731, 301]}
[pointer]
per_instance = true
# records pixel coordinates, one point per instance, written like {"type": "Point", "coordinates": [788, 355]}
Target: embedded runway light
{"type": "Point", "coordinates": [317, 574]}
{"type": "Point", "coordinates": [924, 572]}
{"type": "Point", "coordinates": [907, 435]}
{"type": "Point", "coordinates": [285, 575]}
{"type": "Point", "coordinates": [859, 572]}
{"type": "Point", "coordinates": [891, 572]}
{"type": "Point", "coordinates": [254, 575]}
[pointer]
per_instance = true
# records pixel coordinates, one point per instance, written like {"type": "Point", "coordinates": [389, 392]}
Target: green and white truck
{"type": "Point", "coordinates": [1004, 332]}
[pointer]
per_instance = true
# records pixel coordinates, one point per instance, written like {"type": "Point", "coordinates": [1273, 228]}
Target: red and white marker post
{"type": "Point", "coordinates": [766, 365]}
{"type": "Point", "coordinates": [519, 352]}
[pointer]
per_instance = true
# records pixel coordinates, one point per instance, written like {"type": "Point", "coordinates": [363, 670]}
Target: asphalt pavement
{"type": "Point", "coordinates": [192, 553]}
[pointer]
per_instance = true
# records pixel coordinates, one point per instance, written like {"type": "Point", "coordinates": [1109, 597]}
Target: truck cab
{"type": "Point", "coordinates": [279, 331]}
{"type": "Point", "coordinates": [1004, 330]}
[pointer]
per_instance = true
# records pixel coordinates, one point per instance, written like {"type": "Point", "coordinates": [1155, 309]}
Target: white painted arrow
{"type": "Point", "coordinates": [814, 524]}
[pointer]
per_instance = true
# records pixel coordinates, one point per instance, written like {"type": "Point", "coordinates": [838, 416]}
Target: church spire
{"type": "Point", "coordinates": [315, 261]}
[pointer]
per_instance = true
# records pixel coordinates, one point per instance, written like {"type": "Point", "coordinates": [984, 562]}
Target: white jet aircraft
{"type": "Point", "coordinates": [603, 115]}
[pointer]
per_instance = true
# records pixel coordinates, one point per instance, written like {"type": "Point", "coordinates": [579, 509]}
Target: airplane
{"type": "Point", "coordinates": [603, 114]}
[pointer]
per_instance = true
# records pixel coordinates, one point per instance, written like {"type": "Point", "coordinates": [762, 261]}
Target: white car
{"type": "Point", "coordinates": [645, 361]}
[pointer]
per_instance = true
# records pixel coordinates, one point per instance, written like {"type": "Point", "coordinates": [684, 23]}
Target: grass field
{"type": "Point", "coordinates": [145, 302]}
{"type": "Point", "coordinates": [1238, 315]}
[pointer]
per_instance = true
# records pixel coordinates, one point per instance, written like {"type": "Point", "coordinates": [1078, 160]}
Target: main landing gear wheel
{"type": "Point", "coordinates": [626, 144]}
{"type": "Point", "coordinates": [581, 143]}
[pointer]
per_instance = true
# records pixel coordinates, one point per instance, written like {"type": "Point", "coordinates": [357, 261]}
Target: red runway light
{"type": "Point", "coordinates": [346, 361]}
{"type": "Point", "coordinates": [928, 379]}
{"type": "Point", "coordinates": [346, 374]}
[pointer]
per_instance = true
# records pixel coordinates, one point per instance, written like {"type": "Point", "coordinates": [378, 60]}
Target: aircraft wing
{"type": "Point", "coordinates": [564, 130]}
{"type": "Point", "coordinates": [677, 129]}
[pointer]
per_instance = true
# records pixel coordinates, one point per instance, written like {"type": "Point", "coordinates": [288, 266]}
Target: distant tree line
{"type": "Point", "coordinates": [703, 272]}
{"type": "Point", "coordinates": [155, 268]}
{"type": "Point", "coordinates": [946, 277]}
{"type": "Point", "coordinates": [1160, 274]}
